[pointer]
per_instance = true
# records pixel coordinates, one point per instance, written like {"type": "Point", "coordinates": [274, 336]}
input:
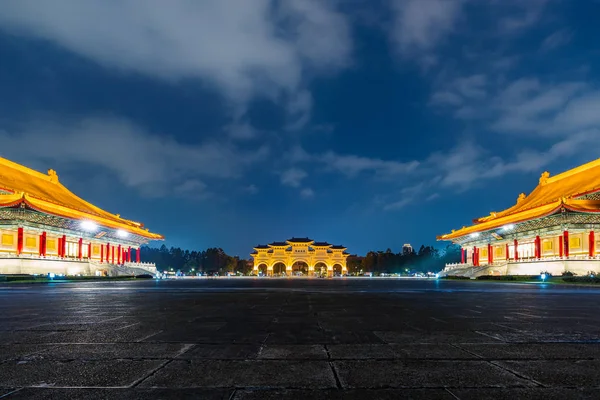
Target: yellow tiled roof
{"type": "Point", "coordinates": [47, 194]}
{"type": "Point", "coordinates": [551, 193]}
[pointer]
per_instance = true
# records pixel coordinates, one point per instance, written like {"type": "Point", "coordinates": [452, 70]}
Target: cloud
{"type": "Point", "coordinates": [244, 49]}
{"type": "Point", "coordinates": [153, 164]}
{"type": "Point", "coordinates": [353, 165]}
{"type": "Point", "coordinates": [251, 189]}
{"type": "Point", "coordinates": [307, 193]}
{"type": "Point", "coordinates": [521, 15]}
{"type": "Point", "coordinates": [556, 40]}
{"type": "Point", "coordinates": [420, 25]}
{"type": "Point", "coordinates": [293, 177]}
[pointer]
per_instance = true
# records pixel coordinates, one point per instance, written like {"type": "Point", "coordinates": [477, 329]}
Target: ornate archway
{"type": "Point", "coordinates": [338, 270]}
{"type": "Point", "coordinates": [320, 269]}
{"type": "Point", "coordinates": [299, 268]}
{"type": "Point", "coordinates": [278, 268]}
{"type": "Point", "coordinates": [261, 269]}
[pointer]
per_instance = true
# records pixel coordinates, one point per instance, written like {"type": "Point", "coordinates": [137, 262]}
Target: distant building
{"type": "Point", "coordinates": [300, 255]}
{"type": "Point", "coordinates": [553, 230]}
{"type": "Point", "coordinates": [45, 228]}
{"type": "Point", "coordinates": [407, 249]}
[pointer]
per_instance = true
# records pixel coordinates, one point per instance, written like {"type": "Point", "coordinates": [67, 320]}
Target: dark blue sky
{"type": "Point", "coordinates": [364, 123]}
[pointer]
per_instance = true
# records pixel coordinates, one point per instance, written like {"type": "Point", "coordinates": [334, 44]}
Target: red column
{"type": "Point", "coordinates": [474, 256]}
{"type": "Point", "coordinates": [59, 249]}
{"type": "Point", "coordinates": [490, 254]}
{"type": "Point", "coordinates": [137, 255]}
{"type": "Point", "coordinates": [44, 244]}
{"type": "Point", "coordinates": [129, 254]}
{"type": "Point", "coordinates": [19, 240]}
{"type": "Point", "coordinates": [566, 244]}
{"type": "Point", "coordinates": [41, 246]}
{"type": "Point", "coordinates": [462, 255]}
{"type": "Point", "coordinates": [112, 254]}
{"type": "Point", "coordinates": [516, 250]}
{"type": "Point", "coordinates": [119, 254]}
{"type": "Point", "coordinates": [537, 247]}
{"type": "Point", "coordinates": [507, 252]}
{"type": "Point", "coordinates": [592, 244]}
{"type": "Point", "coordinates": [560, 246]}
{"type": "Point", "coordinates": [80, 249]}
{"type": "Point", "coordinates": [101, 253]}
{"type": "Point", "coordinates": [90, 250]}
{"type": "Point", "coordinates": [64, 245]}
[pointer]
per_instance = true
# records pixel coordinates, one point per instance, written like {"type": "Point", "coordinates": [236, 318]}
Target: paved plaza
{"type": "Point", "coordinates": [266, 338]}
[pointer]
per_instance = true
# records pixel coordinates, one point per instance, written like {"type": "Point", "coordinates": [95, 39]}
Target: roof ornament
{"type": "Point", "coordinates": [493, 214]}
{"type": "Point", "coordinates": [53, 176]}
{"type": "Point", "coordinates": [544, 177]}
{"type": "Point", "coordinates": [521, 197]}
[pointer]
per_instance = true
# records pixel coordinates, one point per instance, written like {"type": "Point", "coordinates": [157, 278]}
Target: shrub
{"type": "Point", "coordinates": [455, 277]}
{"type": "Point", "coordinates": [582, 279]}
{"type": "Point", "coordinates": [508, 277]}
{"type": "Point", "coordinates": [568, 273]}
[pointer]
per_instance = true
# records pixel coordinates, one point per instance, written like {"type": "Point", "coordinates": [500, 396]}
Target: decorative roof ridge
{"type": "Point", "coordinates": [571, 172]}
{"type": "Point", "coordinates": [53, 178]}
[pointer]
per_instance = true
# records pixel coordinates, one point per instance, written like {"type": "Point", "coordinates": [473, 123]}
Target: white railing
{"type": "Point", "coordinates": [578, 257]}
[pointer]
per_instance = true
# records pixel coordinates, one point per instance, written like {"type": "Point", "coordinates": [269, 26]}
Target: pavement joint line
{"type": "Point", "coordinates": [490, 336]}
{"type": "Point", "coordinates": [451, 394]}
{"type": "Point", "coordinates": [149, 336]}
{"type": "Point", "coordinates": [232, 395]}
{"type": "Point", "coordinates": [126, 326]}
{"type": "Point", "coordinates": [185, 349]}
{"type": "Point", "coordinates": [10, 393]}
{"type": "Point", "coordinates": [491, 362]}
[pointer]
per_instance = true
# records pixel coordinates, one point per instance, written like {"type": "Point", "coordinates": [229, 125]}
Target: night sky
{"type": "Point", "coordinates": [368, 123]}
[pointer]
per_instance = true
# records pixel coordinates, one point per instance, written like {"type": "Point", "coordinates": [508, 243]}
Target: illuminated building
{"type": "Point", "coordinates": [45, 228]}
{"type": "Point", "coordinates": [300, 255]}
{"type": "Point", "coordinates": [551, 230]}
{"type": "Point", "coordinates": [407, 249]}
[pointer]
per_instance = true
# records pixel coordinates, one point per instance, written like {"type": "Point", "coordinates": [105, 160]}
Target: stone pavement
{"type": "Point", "coordinates": [266, 338]}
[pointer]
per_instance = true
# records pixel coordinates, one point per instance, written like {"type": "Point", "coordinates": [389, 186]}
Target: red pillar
{"type": "Point", "coordinates": [112, 254]}
{"type": "Point", "coordinates": [101, 253]}
{"type": "Point", "coordinates": [560, 246]}
{"type": "Point", "coordinates": [592, 244]}
{"type": "Point", "coordinates": [507, 252]}
{"type": "Point", "coordinates": [462, 255]}
{"type": "Point", "coordinates": [490, 254]}
{"type": "Point", "coordinates": [80, 249]}
{"type": "Point", "coordinates": [129, 254]}
{"type": "Point", "coordinates": [41, 246]}
{"type": "Point", "coordinates": [64, 245]}
{"type": "Point", "coordinates": [44, 244]}
{"type": "Point", "coordinates": [516, 250]}
{"type": "Point", "coordinates": [537, 247]}
{"type": "Point", "coordinates": [566, 244]}
{"type": "Point", "coordinates": [137, 255]}
{"type": "Point", "coordinates": [19, 240]}
{"type": "Point", "coordinates": [90, 250]}
{"type": "Point", "coordinates": [59, 249]}
{"type": "Point", "coordinates": [119, 254]}
{"type": "Point", "coordinates": [474, 256]}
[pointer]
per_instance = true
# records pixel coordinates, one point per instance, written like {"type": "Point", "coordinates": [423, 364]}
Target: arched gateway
{"type": "Point", "coordinates": [300, 256]}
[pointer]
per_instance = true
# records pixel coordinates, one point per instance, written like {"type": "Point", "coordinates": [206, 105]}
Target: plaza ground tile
{"type": "Point", "coordinates": [417, 337]}
{"type": "Point", "coordinates": [113, 351]}
{"type": "Point", "coordinates": [118, 394]}
{"type": "Point", "coordinates": [361, 351]}
{"type": "Point", "coordinates": [430, 351]}
{"type": "Point", "coordinates": [293, 352]}
{"type": "Point", "coordinates": [536, 351]}
{"type": "Point", "coordinates": [114, 373]}
{"type": "Point", "coordinates": [558, 373]}
{"type": "Point", "coordinates": [537, 393]}
{"type": "Point", "coordinates": [421, 374]}
{"type": "Point", "coordinates": [244, 374]}
{"type": "Point", "coordinates": [221, 352]}
{"type": "Point", "coordinates": [381, 394]}
{"type": "Point", "coordinates": [16, 351]}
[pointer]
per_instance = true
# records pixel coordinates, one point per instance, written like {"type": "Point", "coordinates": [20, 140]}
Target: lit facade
{"type": "Point", "coordinates": [302, 255]}
{"type": "Point", "coordinates": [554, 229]}
{"type": "Point", "coordinates": [45, 228]}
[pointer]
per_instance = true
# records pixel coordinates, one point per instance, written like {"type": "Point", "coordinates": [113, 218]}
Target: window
{"type": "Point", "coordinates": [547, 245]}
{"type": "Point", "coordinates": [96, 250]}
{"type": "Point", "coordinates": [483, 252]}
{"type": "Point", "coordinates": [499, 251]}
{"type": "Point", "coordinates": [575, 243]}
{"type": "Point", "coordinates": [30, 242]}
{"type": "Point", "coordinates": [8, 239]}
{"type": "Point", "coordinates": [50, 244]}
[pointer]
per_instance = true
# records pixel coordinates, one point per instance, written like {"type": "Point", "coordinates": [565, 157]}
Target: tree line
{"type": "Point", "coordinates": [426, 259]}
